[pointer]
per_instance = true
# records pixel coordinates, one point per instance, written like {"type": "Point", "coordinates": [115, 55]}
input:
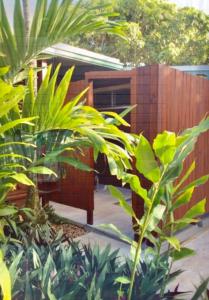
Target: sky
{"type": "Point", "coordinates": [201, 4]}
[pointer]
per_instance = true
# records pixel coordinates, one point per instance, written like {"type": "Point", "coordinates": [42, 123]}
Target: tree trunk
{"type": "Point", "coordinates": [26, 13]}
{"type": "Point", "coordinates": [33, 200]}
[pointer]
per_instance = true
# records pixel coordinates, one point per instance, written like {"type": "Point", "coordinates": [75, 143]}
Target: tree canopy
{"type": "Point", "coordinates": [157, 32]}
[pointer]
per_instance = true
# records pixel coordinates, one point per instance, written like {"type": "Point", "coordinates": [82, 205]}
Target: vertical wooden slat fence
{"type": "Point", "coordinates": [172, 100]}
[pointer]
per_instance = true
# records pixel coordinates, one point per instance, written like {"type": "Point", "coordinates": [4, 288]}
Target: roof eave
{"type": "Point", "coordinates": [85, 56]}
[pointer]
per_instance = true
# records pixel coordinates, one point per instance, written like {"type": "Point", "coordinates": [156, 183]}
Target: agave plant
{"type": "Point", "coordinates": [51, 23]}
{"type": "Point", "coordinates": [72, 271]}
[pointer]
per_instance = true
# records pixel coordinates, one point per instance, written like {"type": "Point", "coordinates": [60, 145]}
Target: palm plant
{"type": "Point", "coordinates": [74, 124]}
{"type": "Point", "coordinates": [51, 23]}
{"type": "Point", "coordinates": [12, 162]}
{"type": "Point", "coordinates": [62, 127]}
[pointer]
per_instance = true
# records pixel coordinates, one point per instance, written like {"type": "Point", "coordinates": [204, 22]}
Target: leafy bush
{"type": "Point", "coordinates": [162, 165]}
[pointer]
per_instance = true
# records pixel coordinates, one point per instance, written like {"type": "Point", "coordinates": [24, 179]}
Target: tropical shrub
{"type": "Point", "coordinates": [12, 162]}
{"type": "Point", "coordinates": [64, 127]}
{"type": "Point", "coordinates": [162, 165]}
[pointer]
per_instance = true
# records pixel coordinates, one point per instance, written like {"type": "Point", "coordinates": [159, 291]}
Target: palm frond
{"type": "Point", "coordinates": [51, 24]}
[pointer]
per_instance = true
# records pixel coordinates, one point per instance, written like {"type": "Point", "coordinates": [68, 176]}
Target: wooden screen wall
{"type": "Point", "coordinates": [76, 189]}
{"type": "Point", "coordinates": [168, 99]}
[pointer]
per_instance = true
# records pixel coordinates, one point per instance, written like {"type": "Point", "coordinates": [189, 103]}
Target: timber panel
{"type": "Point", "coordinates": [168, 99]}
{"type": "Point", "coordinates": [183, 103]}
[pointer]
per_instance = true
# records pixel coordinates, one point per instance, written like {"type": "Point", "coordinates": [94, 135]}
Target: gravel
{"type": "Point", "coordinates": [70, 230]}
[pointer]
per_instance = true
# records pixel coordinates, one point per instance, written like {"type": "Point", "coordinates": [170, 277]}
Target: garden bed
{"type": "Point", "coordinates": [71, 231]}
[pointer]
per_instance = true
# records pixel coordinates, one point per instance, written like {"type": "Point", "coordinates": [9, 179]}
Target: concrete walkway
{"type": "Point", "coordinates": [106, 211]}
{"type": "Point", "coordinates": [196, 268]}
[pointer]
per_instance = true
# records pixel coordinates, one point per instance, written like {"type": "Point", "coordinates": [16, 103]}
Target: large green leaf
{"type": "Point", "coordinates": [165, 146]}
{"type": "Point", "coordinates": [145, 160]}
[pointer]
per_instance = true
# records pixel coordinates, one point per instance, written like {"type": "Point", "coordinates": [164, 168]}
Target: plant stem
{"type": "Point", "coordinates": [144, 227]}
{"type": "Point", "coordinates": [171, 220]}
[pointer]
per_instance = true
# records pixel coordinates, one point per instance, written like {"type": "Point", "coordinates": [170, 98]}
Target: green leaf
{"type": "Point", "coordinates": [182, 253]}
{"type": "Point", "coordinates": [120, 235]}
{"type": "Point", "coordinates": [183, 199]}
{"type": "Point", "coordinates": [12, 124]}
{"type": "Point", "coordinates": [165, 146]}
{"type": "Point", "coordinates": [116, 193]}
{"type": "Point", "coordinates": [7, 210]}
{"type": "Point", "coordinates": [136, 187]}
{"type": "Point", "coordinates": [196, 183]}
{"type": "Point", "coordinates": [201, 289]}
{"type": "Point", "coordinates": [42, 170]}
{"type": "Point", "coordinates": [13, 268]}
{"type": "Point", "coordinates": [22, 178]}
{"type": "Point", "coordinates": [183, 222]}
{"type": "Point", "coordinates": [122, 280]}
{"type": "Point", "coordinates": [116, 117]}
{"type": "Point", "coordinates": [74, 162]}
{"type": "Point", "coordinates": [196, 210]}
{"type": "Point", "coordinates": [184, 178]}
{"type": "Point", "coordinates": [145, 160]}
{"type": "Point", "coordinates": [4, 70]}
{"type": "Point", "coordinates": [172, 172]}
{"type": "Point", "coordinates": [155, 217]}
{"type": "Point", "coordinates": [5, 280]}
{"type": "Point", "coordinates": [173, 241]}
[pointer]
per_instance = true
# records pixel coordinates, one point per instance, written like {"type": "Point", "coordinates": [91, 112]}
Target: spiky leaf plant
{"type": "Point", "coordinates": [52, 22]}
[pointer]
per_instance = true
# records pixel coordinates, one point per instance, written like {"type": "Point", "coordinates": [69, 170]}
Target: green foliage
{"type": "Point", "coordinates": [202, 292]}
{"type": "Point", "coordinates": [157, 32]}
{"type": "Point", "coordinates": [163, 167]}
{"type": "Point", "coordinates": [12, 162]}
{"type": "Point", "coordinates": [5, 280]}
{"type": "Point", "coordinates": [51, 23]}
{"type": "Point", "coordinates": [68, 271]}
{"type": "Point", "coordinates": [60, 127]}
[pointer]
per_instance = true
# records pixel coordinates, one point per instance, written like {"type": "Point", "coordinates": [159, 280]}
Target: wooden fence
{"type": "Point", "coordinates": [172, 100]}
